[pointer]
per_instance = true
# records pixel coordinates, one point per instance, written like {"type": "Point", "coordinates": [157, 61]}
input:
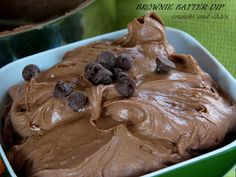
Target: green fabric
{"type": "Point", "coordinates": [99, 17]}
{"type": "Point", "coordinates": [232, 172]}
{"type": "Point", "coordinates": [218, 36]}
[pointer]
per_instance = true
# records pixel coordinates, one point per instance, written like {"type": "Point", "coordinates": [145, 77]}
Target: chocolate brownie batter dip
{"type": "Point", "coordinates": [116, 108]}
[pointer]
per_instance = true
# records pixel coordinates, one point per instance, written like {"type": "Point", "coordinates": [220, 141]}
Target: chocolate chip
{"type": "Point", "coordinates": [62, 89]}
{"type": "Point", "coordinates": [106, 80]}
{"type": "Point", "coordinates": [77, 101]}
{"type": "Point", "coordinates": [124, 61]}
{"type": "Point", "coordinates": [125, 87]}
{"type": "Point", "coordinates": [107, 59]}
{"type": "Point", "coordinates": [119, 73]}
{"type": "Point", "coordinates": [30, 71]}
{"type": "Point", "coordinates": [97, 74]}
{"type": "Point", "coordinates": [163, 65]}
{"type": "Point", "coordinates": [91, 69]}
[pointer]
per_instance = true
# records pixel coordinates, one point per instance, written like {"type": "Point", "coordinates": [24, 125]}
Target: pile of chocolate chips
{"type": "Point", "coordinates": [108, 68]}
{"type": "Point", "coordinates": [76, 99]}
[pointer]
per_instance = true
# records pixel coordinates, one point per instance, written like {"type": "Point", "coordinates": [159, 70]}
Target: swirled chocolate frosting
{"type": "Point", "coordinates": [174, 112]}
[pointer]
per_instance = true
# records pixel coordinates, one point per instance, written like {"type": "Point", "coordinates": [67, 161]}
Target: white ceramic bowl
{"type": "Point", "coordinates": [182, 42]}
